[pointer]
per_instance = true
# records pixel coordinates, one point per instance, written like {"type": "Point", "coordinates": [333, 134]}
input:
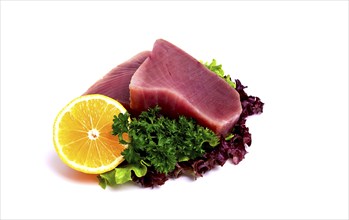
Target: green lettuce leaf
{"type": "Point", "coordinates": [121, 175]}
{"type": "Point", "coordinates": [219, 71]}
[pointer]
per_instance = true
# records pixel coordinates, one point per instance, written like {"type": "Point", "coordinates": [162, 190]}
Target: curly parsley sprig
{"type": "Point", "coordinates": [161, 141]}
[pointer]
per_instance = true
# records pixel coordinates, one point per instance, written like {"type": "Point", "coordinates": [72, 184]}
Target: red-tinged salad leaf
{"type": "Point", "coordinates": [251, 105]}
{"type": "Point", "coordinates": [151, 179]}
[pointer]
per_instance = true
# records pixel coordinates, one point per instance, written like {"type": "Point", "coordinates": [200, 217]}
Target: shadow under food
{"type": "Point", "coordinates": [57, 166]}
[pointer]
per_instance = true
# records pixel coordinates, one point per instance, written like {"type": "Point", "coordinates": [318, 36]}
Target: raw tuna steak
{"type": "Point", "coordinates": [115, 84]}
{"type": "Point", "coordinates": [181, 85]}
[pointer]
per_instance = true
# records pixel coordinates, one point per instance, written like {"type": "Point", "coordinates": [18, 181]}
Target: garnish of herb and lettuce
{"type": "Point", "coordinates": [157, 141]}
{"type": "Point", "coordinates": [160, 148]}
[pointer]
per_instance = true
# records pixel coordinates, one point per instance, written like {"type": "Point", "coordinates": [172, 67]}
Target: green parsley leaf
{"type": "Point", "coordinates": [121, 127]}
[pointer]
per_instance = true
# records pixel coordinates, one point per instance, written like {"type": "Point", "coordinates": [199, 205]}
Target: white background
{"type": "Point", "coordinates": [293, 55]}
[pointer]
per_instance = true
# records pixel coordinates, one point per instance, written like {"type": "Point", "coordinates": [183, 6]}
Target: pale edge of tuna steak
{"type": "Point", "coordinates": [181, 85]}
{"type": "Point", "coordinates": [115, 84]}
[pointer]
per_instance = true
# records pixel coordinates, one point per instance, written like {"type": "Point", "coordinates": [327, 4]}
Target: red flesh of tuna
{"type": "Point", "coordinates": [181, 85]}
{"type": "Point", "coordinates": [115, 84]}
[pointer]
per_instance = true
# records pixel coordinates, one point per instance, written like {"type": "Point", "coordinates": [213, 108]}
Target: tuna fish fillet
{"type": "Point", "coordinates": [181, 85]}
{"type": "Point", "coordinates": [115, 84]}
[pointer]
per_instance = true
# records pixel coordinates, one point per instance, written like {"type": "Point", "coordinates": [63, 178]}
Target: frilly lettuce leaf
{"type": "Point", "coordinates": [214, 67]}
{"type": "Point", "coordinates": [121, 175]}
